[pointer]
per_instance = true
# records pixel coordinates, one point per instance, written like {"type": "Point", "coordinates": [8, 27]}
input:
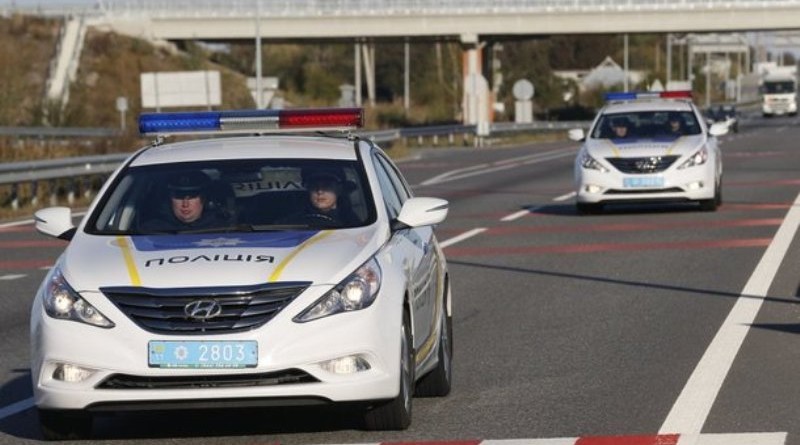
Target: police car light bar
{"type": "Point", "coordinates": [249, 121]}
{"type": "Point", "coordinates": [635, 95]}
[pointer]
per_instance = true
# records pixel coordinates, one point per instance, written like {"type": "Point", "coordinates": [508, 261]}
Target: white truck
{"type": "Point", "coordinates": [779, 91]}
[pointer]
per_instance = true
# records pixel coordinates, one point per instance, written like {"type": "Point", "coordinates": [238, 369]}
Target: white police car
{"type": "Point", "coordinates": [648, 147]}
{"type": "Point", "coordinates": [205, 275]}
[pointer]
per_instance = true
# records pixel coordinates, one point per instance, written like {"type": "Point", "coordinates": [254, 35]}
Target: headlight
{"type": "Point", "coordinates": [591, 163]}
{"type": "Point", "coordinates": [63, 303]}
{"type": "Point", "coordinates": [699, 158]}
{"type": "Point", "coordinates": [356, 292]}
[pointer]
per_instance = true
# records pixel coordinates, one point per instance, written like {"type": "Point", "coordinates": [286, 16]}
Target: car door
{"type": "Point", "coordinates": [420, 257]}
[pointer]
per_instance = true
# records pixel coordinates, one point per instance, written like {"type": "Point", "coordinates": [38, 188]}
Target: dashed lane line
{"type": "Point", "coordinates": [10, 277]}
{"type": "Point", "coordinates": [462, 237]}
{"type": "Point", "coordinates": [16, 408]}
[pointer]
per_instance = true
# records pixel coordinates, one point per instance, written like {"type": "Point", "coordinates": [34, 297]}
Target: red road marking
{"type": "Point", "coordinates": [629, 227]}
{"type": "Point", "coordinates": [754, 206]}
{"type": "Point", "coordinates": [31, 243]}
{"type": "Point", "coordinates": [26, 264]}
{"type": "Point", "coordinates": [606, 247]}
{"type": "Point", "coordinates": [17, 229]}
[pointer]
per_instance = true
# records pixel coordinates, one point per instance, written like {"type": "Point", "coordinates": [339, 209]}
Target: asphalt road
{"type": "Point", "coordinates": [642, 321]}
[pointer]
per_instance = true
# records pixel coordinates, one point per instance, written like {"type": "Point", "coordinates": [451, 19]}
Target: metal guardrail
{"type": "Point", "coordinates": [58, 132]}
{"type": "Point", "coordinates": [32, 171]}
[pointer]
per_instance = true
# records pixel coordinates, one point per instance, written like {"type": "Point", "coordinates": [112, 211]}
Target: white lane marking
{"type": "Point", "coordinates": [521, 213]}
{"type": "Point", "coordinates": [505, 164]}
{"type": "Point", "coordinates": [734, 439]}
{"type": "Point", "coordinates": [462, 237]}
{"type": "Point", "coordinates": [16, 223]}
{"type": "Point", "coordinates": [569, 195]}
{"type": "Point", "coordinates": [31, 221]}
{"type": "Point", "coordinates": [691, 409]}
{"type": "Point", "coordinates": [516, 215]}
{"type": "Point", "coordinates": [12, 277]}
{"type": "Point", "coordinates": [16, 408]}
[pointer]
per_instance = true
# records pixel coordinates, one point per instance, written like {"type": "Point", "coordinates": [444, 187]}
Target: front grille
{"type": "Point", "coordinates": [125, 381]}
{"type": "Point", "coordinates": [651, 164]}
{"type": "Point", "coordinates": [164, 311]}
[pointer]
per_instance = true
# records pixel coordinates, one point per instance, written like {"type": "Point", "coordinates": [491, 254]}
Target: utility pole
{"type": "Point", "coordinates": [259, 90]}
{"type": "Point", "coordinates": [625, 39]}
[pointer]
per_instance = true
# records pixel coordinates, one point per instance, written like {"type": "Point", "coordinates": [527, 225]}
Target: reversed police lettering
{"type": "Point", "coordinates": [180, 259]}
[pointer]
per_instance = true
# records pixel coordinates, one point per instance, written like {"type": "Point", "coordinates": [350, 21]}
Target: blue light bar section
{"type": "Point", "coordinates": [156, 123]}
{"type": "Point", "coordinates": [626, 95]}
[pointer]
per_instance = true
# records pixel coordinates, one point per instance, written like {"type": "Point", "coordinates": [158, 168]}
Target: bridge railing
{"type": "Point", "coordinates": [78, 169]}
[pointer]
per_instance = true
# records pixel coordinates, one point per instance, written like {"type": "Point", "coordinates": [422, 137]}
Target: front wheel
{"type": "Point", "coordinates": [437, 383]}
{"type": "Point", "coordinates": [711, 205]}
{"type": "Point", "coordinates": [65, 424]}
{"type": "Point", "coordinates": [585, 208]}
{"type": "Point", "coordinates": [395, 414]}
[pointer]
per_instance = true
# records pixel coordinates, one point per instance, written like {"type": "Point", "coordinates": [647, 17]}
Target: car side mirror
{"type": "Point", "coordinates": [576, 134]}
{"type": "Point", "coordinates": [419, 212]}
{"type": "Point", "coordinates": [718, 129]}
{"type": "Point", "coordinates": [55, 222]}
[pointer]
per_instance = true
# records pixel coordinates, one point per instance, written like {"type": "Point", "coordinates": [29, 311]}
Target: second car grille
{"type": "Point", "coordinates": [650, 164]}
{"type": "Point", "coordinates": [213, 310]}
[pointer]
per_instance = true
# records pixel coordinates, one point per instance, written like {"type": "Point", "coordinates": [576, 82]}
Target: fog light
{"type": "Point", "coordinates": [345, 365]}
{"type": "Point", "coordinates": [71, 373]}
{"type": "Point", "coordinates": [592, 188]}
{"type": "Point", "coordinates": [695, 185]}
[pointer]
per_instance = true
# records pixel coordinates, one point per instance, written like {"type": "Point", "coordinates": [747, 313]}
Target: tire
{"type": "Point", "coordinates": [65, 425]}
{"type": "Point", "coordinates": [438, 382]}
{"type": "Point", "coordinates": [395, 414]}
{"type": "Point", "coordinates": [585, 208]}
{"type": "Point", "coordinates": [711, 205]}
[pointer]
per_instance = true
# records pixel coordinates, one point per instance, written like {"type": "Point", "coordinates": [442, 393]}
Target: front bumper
{"type": "Point", "coordinates": [285, 348]}
{"type": "Point", "coordinates": [690, 184]}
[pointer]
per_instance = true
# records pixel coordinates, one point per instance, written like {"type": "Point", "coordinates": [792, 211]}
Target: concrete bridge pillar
{"type": "Point", "coordinates": [476, 103]}
{"type": "Point", "coordinates": [366, 52]}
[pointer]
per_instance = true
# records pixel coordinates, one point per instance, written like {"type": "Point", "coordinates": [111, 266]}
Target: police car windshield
{"type": "Point", "coordinates": [646, 125]}
{"type": "Point", "coordinates": [235, 196]}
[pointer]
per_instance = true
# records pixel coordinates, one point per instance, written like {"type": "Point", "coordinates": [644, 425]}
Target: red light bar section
{"type": "Point", "coordinates": [313, 118]}
{"type": "Point", "coordinates": [676, 94]}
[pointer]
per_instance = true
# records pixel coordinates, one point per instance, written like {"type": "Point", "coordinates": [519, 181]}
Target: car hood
{"type": "Point", "coordinates": [630, 148]}
{"type": "Point", "coordinates": [166, 261]}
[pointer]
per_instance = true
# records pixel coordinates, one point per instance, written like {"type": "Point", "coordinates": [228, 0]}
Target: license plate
{"type": "Point", "coordinates": [647, 181]}
{"type": "Point", "coordinates": [202, 354]}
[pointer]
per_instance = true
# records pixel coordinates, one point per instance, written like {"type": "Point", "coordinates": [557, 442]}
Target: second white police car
{"type": "Point", "coordinates": [648, 147]}
{"type": "Point", "coordinates": [243, 271]}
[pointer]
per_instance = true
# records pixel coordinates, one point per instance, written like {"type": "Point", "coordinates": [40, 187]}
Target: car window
{"type": "Point", "coordinates": [403, 190]}
{"type": "Point", "coordinates": [390, 195]}
{"type": "Point", "coordinates": [240, 195]}
{"type": "Point", "coordinates": [646, 124]}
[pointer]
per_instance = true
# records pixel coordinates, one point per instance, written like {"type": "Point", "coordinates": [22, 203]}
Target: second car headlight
{"type": "Point", "coordinates": [698, 158]}
{"type": "Point", "coordinates": [62, 302]}
{"type": "Point", "coordinates": [355, 292]}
